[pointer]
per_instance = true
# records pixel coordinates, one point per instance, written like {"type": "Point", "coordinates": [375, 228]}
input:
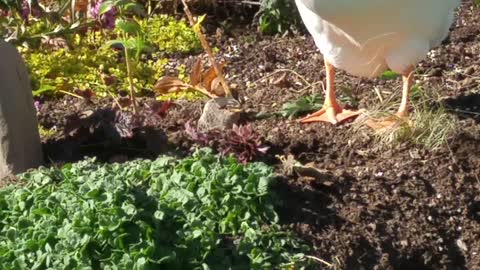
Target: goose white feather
{"type": "Point", "coordinates": [365, 37]}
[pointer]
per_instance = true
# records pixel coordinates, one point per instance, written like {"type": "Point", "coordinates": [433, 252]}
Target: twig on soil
{"type": "Point", "coordinates": [208, 94]}
{"type": "Point", "coordinates": [251, 3]}
{"type": "Point", "coordinates": [309, 85]}
{"type": "Point", "coordinates": [337, 260]}
{"type": "Point", "coordinates": [116, 101]}
{"type": "Point", "coordinates": [207, 48]}
{"type": "Point", "coordinates": [452, 155]}
{"type": "Point", "coordinates": [320, 260]}
{"type": "Point", "coordinates": [379, 94]}
{"type": "Point", "coordinates": [71, 94]}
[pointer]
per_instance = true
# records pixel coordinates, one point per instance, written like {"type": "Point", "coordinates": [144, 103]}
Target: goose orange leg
{"type": "Point", "coordinates": [331, 112]}
{"type": "Point", "coordinates": [402, 113]}
{"type": "Point", "coordinates": [407, 85]}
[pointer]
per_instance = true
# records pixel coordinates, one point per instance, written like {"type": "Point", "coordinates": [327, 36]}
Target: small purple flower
{"type": "Point", "coordinates": [25, 11]}
{"type": "Point", "coordinates": [110, 18]}
{"type": "Point", "coordinates": [95, 9]}
{"type": "Point", "coordinates": [107, 19]}
{"type": "Point", "coordinates": [38, 105]}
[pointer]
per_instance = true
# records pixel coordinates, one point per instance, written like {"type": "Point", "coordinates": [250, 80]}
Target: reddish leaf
{"type": "Point", "coordinates": [241, 141]}
{"type": "Point", "coordinates": [124, 101]}
{"type": "Point", "coordinates": [109, 79]}
{"type": "Point", "coordinates": [86, 94]}
{"type": "Point", "coordinates": [161, 108]}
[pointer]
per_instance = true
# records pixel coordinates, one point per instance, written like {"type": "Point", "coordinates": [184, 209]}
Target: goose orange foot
{"type": "Point", "coordinates": [401, 117]}
{"type": "Point", "coordinates": [388, 123]}
{"type": "Point", "coordinates": [333, 114]}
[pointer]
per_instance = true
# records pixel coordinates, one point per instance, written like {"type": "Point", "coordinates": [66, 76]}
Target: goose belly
{"type": "Point", "coordinates": [366, 42]}
{"type": "Point", "coordinates": [338, 49]}
{"type": "Point", "coordinates": [386, 51]}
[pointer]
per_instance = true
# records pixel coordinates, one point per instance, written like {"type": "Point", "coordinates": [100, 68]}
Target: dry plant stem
{"type": "Point", "coordinates": [329, 265]}
{"type": "Point", "coordinates": [116, 101]}
{"type": "Point", "coordinates": [71, 94]}
{"type": "Point", "coordinates": [207, 48]}
{"type": "Point", "coordinates": [205, 92]}
{"type": "Point", "coordinates": [130, 80]}
{"type": "Point", "coordinates": [72, 11]}
{"type": "Point", "coordinates": [175, 5]}
{"type": "Point", "coordinates": [309, 85]}
{"type": "Point", "coordinates": [379, 94]}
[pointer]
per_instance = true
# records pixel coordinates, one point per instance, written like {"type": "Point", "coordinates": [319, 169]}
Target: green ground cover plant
{"type": "Point", "coordinates": [83, 61]}
{"type": "Point", "coordinates": [201, 212]}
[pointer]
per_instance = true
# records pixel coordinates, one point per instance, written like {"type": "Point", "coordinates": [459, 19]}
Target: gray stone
{"type": "Point", "coordinates": [219, 113]}
{"type": "Point", "coordinates": [20, 147]}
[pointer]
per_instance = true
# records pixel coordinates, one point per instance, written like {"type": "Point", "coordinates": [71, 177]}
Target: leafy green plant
{"type": "Point", "coordinates": [62, 70]}
{"type": "Point", "coordinates": [130, 39]}
{"type": "Point", "coordinates": [170, 35]}
{"type": "Point", "coordinates": [46, 133]}
{"type": "Point", "coordinates": [9, 4]}
{"type": "Point", "coordinates": [278, 16]}
{"type": "Point", "coordinates": [27, 23]}
{"type": "Point", "coordinates": [301, 106]}
{"type": "Point", "coordinates": [307, 104]}
{"type": "Point", "coordinates": [389, 75]}
{"type": "Point", "coordinates": [84, 66]}
{"type": "Point", "coordinates": [202, 212]}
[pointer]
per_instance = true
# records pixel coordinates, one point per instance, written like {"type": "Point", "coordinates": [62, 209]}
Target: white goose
{"type": "Point", "coordinates": [365, 37]}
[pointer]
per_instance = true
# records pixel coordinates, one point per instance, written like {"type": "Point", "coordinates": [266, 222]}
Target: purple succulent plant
{"type": "Point", "coordinates": [241, 141]}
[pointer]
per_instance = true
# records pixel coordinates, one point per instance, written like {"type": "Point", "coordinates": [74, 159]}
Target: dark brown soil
{"type": "Point", "coordinates": [400, 207]}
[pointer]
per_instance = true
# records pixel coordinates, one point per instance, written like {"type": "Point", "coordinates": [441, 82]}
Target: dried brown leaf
{"type": "Point", "coordinates": [81, 5]}
{"type": "Point", "coordinates": [196, 74]}
{"type": "Point", "coordinates": [168, 84]}
{"type": "Point", "coordinates": [210, 75]}
{"type": "Point", "coordinates": [204, 91]}
{"type": "Point", "coordinates": [124, 102]}
{"type": "Point", "coordinates": [281, 81]}
{"type": "Point", "coordinates": [217, 88]}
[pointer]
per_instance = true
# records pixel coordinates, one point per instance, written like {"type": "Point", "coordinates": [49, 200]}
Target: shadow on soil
{"type": "Point", "coordinates": [99, 135]}
{"type": "Point", "coordinates": [467, 106]}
